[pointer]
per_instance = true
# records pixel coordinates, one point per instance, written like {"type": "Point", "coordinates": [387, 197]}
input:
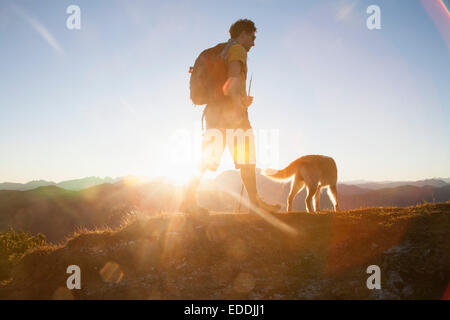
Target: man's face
{"type": "Point", "coordinates": [249, 40]}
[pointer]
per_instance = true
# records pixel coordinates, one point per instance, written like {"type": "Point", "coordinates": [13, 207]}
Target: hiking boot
{"type": "Point", "coordinates": [192, 208]}
{"type": "Point", "coordinates": [265, 206]}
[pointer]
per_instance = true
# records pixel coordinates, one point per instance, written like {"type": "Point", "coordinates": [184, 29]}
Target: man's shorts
{"type": "Point", "coordinates": [223, 128]}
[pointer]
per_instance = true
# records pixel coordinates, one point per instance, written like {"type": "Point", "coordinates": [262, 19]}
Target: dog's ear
{"type": "Point", "coordinates": [268, 172]}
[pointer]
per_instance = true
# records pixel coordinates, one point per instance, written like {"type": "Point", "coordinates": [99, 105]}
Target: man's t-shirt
{"type": "Point", "coordinates": [216, 115]}
{"type": "Point", "coordinates": [238, 53]}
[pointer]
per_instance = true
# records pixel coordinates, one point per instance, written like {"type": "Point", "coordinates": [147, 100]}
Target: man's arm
{"type": "Point", "coordinates": [232, 87]}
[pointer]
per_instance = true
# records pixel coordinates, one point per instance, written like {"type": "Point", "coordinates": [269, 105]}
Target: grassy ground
{"type": "Point", "coordinates": [241, 256]}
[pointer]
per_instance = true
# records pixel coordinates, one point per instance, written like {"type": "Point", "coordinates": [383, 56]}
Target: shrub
{"type": "Point", "coordinates": [13, 245]}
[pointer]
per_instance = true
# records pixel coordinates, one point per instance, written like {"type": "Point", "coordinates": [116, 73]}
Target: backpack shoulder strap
{"type": "Point", "coordinates": [228, 44]}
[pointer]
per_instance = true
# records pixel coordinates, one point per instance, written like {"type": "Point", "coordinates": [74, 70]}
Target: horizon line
{"type": "Point", "coordinates": [359, 181]}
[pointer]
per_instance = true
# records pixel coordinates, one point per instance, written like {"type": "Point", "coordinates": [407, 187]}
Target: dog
{"type": "Point", "coordinates": [314, 171]}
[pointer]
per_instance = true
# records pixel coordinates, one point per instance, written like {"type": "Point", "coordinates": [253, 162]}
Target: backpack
{"type": "Point", "coordinates": [208, 75]}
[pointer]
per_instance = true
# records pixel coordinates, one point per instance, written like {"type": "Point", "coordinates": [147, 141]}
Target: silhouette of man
{"type": "Point", "coordinates": [227, 122]}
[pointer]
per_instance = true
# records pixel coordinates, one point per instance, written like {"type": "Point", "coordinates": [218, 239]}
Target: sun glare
{"type": "Point", "coordinates": [178, 175]}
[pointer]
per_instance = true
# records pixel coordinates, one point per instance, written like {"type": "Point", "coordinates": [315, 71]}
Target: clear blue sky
{"type": "Point", "coordinates": [106, 100]}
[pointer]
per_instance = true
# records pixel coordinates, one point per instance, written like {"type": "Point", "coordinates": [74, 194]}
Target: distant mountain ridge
{"type": "Point", "coordinates": [225, 180]}
{"type": "Point", "coordinates": [435, 182]}
{"type": "Point", "coordinates": [25, 186]}
{"type": "Point", "coordinates": [75, 184]}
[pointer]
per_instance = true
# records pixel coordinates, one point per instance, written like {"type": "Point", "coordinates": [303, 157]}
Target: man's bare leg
{"type": "Point", "coordinates": [189, 203]}
{"type": "Point", "coordinates": [248, 176]}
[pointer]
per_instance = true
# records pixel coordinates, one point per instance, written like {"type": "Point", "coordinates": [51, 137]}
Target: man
{"type": "Point", "coordinates": [227, 122]}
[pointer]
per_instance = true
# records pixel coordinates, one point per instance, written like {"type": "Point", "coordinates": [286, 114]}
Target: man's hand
{"type": "Point", "coordinates": [247, 101]}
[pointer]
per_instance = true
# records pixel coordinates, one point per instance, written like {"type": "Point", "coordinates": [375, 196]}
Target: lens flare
{"type": "Point", "coordinates": [445, 6]}
{"type": "Point", "coordinates": [439, 14]}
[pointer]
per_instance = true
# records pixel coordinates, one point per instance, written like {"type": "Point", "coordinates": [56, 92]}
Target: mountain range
{"type": "Point", "coordinates": [76, 184]}
{"type": "Point", "coordinates": [222, 181]}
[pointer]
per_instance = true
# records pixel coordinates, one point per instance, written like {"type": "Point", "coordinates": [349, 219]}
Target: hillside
{"type": "Point", "coordinates": [241, 256]}
{"type": "Point", "coordinates": [56, 212]}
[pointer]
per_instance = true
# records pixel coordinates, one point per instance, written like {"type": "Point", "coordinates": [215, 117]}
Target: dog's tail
{"type": "Point", "coordinates": [283, 174]}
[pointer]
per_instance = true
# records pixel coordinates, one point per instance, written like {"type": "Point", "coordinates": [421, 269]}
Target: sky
{"type": "Point", "coordinates": [112, 98]}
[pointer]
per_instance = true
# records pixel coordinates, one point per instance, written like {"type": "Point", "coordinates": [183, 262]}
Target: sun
{"type": "Point", "coordinates": [178, 174]}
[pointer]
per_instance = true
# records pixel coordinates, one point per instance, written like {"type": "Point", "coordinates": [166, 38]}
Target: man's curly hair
{"type": "Point", "coordinates": [242, 25]}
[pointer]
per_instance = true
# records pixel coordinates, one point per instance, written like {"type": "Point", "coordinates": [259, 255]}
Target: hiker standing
{"type": "Point", "coordinates": [219, 80]}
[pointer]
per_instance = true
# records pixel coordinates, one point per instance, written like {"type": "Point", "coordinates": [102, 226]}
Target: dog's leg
{"type": "Point", "coordinates": [316, 199]}
{"type": "Point", "coordinates": [332, 193]}
{"type": "Point", "coordinates": [312, 188]}
{"type": "Point", "coordinates": [296, 186]}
